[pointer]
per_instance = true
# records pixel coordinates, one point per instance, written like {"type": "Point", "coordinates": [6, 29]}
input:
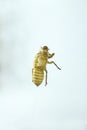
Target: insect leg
{"type": "Point", "coordinates": [51, 55]}
{"type": "Point", "coordinates": [46, 77]}
{"type": "Point", "coordinates": [52, 62]}
{"type": "Point", "coordinates": [32, 75]}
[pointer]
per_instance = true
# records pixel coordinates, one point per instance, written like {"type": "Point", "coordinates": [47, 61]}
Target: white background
{"type": "Point", "coordinates": [25, 25]}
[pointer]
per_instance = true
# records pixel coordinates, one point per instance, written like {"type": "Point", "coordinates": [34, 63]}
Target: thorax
{"type": "Point", "coordinates": [41, 60]}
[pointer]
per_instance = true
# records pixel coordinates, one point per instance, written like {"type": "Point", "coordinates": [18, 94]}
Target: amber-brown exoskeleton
{"type": "Point", "coordinates": [39, 66]}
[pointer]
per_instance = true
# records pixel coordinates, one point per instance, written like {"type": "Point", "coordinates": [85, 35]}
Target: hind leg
{"type": "Point", "coordinates": [46, 77]}
{"type": "Point", "coordinates": [32, 75]}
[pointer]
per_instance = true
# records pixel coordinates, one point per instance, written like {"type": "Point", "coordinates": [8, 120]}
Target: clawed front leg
{"type": "Point", "coordinates": [51, 55]}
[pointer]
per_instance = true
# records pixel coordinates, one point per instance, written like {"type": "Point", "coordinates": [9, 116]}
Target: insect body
{"type": "Point", "coordinates": [39, 66]}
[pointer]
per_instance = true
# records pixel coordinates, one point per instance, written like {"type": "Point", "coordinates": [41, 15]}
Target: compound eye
{"type": "Point", "coordinates": [45, 48]}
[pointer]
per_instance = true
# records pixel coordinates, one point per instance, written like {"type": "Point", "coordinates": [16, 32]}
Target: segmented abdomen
{"type": "Point", "coordinates": [37, 76]}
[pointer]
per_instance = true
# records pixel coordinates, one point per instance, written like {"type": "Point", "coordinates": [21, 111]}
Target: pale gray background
{"type": "Point", "coordinates": [25, 25]}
